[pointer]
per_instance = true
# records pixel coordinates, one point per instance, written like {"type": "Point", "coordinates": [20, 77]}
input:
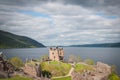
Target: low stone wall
{"type": "Point", "coordinates": [79, 76]}
{"type": "Point", "coordinates": [3, 74]}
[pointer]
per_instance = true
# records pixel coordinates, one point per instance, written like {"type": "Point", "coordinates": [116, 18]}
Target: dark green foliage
{"type": "Point", "coordinates": [9, 40]}
{"type": "Point", "coordinates": [46, 74]}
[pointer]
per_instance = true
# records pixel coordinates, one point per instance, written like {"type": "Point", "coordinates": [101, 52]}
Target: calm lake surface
{"type": "Point", "coordinates": [110, 56]}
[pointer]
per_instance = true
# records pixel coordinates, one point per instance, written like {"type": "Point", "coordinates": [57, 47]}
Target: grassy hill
{"type": "Point", "coordinates": [9, 40]}
{"type": "Point", "coordinates": [56, 68]}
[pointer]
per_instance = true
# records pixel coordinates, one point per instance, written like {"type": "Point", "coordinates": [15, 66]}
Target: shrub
{"type": "Point", "coordinates": [114, 76]}
{"type": "Point", "coordinates": [17, 62]}
{"type": "Point", "coordinates": [89, 61]}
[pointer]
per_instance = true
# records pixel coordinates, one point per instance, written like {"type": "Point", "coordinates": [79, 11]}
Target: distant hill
{"type": "Point", "coordinates": [98, 45]}
{"type": "Point", "coordinates": [9, 40]}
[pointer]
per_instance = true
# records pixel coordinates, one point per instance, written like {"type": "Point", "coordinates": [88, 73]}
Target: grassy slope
{"type": "Point", "coordinates": [65, 78]}
{"type": "Point", "coordinates": [17, 78]}
{"type": "Point", "coordinates": [56, 68]}
{"type": "Point", "coordinates": [9, 40]}
{"type": "Point", "coordinates": [82, 67]}
{"type": "Point", "coordinates": [114, 76]}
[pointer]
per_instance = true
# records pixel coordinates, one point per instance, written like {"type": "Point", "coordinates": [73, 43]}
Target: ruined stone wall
{"type": "Point", "coordinates": [5, 67]}
{"type": "Point", "coordinates": [29, 69]}
{"type": "Point", "coordinates": [61, 52]}
{"type": "Point", "coordinates": [55, 53]}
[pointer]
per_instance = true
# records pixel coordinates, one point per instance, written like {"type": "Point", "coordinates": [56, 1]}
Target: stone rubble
{"type": "Point", "coordinates": [102, 72]}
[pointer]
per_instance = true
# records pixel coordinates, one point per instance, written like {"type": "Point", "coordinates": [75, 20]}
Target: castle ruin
{"type": "Point", "coordinates": [56, 54]}
{"type": "Point", "coordinates": [6, 68]}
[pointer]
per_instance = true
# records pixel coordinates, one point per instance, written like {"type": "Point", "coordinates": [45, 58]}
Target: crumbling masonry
{"type": "Point", "coordinates": [56, 54]}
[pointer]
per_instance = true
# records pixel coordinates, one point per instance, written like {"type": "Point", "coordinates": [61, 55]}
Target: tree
{"type": "Point", "coordinates": [17, 62]}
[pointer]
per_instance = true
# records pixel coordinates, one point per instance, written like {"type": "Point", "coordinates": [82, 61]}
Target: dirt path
{"type": "Point", "coordinates": [70, 72]}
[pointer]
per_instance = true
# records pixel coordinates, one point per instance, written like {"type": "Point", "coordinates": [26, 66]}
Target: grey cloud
{"type": "Point", "coordinates": [12, 2]}
{"type": "Point", "coordinates": [85, 3]}
{"type": "Point", "coordinates": [105, 6]}
{"type": "Point", "coordinates": [112, 2]}
{"type": "Point", "coordinates": [93, 3]}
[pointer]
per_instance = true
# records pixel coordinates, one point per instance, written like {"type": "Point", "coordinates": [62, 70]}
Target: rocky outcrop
{"type": "Point", "coordinates": [103, 68]}
{"type": "Point", "coordinates": [101, 72]}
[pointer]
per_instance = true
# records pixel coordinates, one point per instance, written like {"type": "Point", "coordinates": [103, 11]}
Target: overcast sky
{"type": "Point", "coordinates": [62, 22]}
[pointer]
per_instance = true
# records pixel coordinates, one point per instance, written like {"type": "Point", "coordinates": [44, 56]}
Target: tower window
{"type": "Point", "coordinates": [53, 53]}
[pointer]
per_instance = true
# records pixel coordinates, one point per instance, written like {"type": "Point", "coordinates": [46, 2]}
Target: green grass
{"type": "Point", "coordinates": [82, 67]}
{"type": "Point", "coordinates": [17, 78]}
{"type": "Point", "coordinates": [56, 68]}
{"type": "Point", "coordinates": [114, 76]}
{"type": "Point", "coordinates": [65, 78]}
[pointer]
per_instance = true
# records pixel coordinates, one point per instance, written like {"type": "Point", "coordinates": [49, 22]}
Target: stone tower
{"type": "Point", "coordinates": [56, 54]}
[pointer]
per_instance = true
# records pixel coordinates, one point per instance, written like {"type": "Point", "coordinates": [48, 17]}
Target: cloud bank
{"type": "Point", "coordinates": [62, 22]}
